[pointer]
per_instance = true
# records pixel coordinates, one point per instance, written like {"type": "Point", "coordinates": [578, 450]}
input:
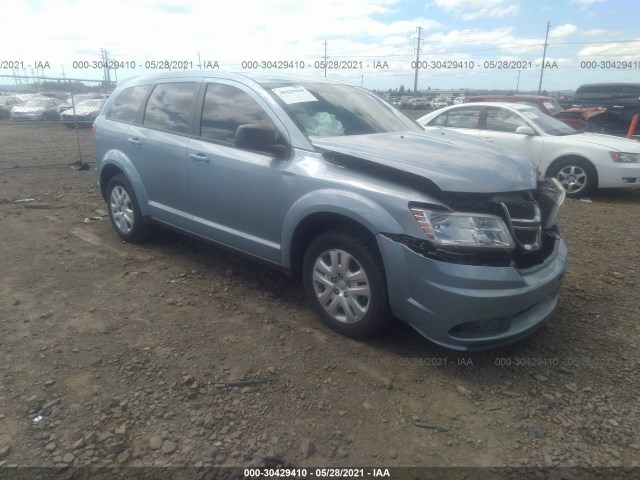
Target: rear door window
{"type": "Point", "coordinates": [170, 106]}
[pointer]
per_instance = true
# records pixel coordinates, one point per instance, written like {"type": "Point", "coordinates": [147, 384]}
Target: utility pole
{"type": "Point", "coordinates": [544, 56]}
{"type": "Point", "coordinates": [325, 59]}
{"type": "Point", "coordinates": [106, 65]}
{"type": "Point", "coordinates": [415, 81]}
{"type": "Point", "coordinates": [104, 68]}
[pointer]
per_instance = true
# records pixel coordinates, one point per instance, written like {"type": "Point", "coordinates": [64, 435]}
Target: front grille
{"type": "Point", "coordinates": [522, 211]}
{"type": "Point", "coordinates": [525, 223]}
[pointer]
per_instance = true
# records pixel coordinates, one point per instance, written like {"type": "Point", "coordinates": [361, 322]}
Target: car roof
{"type": "Point", "coordinates": [261, 79]}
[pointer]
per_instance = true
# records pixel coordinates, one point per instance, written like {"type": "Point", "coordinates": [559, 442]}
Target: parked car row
{"type": "Point", "coordinates": [79, 110]}
{"type": "Point", "coordinates": [422, 103]}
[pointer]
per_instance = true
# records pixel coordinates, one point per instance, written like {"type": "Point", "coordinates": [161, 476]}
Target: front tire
{"type": "Point", "coordinates": [344, 280]}
{"type": "Point", "coordinates": [577, 176]}
{"type": "Point", "coordinates": [124, 211]}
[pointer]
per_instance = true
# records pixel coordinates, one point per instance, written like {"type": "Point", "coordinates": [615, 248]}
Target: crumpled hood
{"type": "Point", "coordinates": [454, 162]}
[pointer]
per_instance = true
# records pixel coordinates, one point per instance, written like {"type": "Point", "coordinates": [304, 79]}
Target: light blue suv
{"type": "Point", "coordinates": [328, 182]}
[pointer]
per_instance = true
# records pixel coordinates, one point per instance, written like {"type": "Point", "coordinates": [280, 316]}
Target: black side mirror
{"type": "Point", "coordinates": [262, 138]}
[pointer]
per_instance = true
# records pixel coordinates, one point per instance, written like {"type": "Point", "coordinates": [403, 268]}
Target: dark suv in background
{"type": "Point", "coordinates": [621, 101]}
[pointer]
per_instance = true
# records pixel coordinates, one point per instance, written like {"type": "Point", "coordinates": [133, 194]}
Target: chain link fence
{"type": "Point", "coordinates": [47, 120]}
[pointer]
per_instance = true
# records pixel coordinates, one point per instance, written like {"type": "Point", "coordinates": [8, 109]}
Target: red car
{"type": "Point", "coordinates": [548, 105]}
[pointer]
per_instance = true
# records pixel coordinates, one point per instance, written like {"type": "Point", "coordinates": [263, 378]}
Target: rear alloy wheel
{"type": "Point", "coordinates": [577, 177]}
{"type": "Point", "coordinates": [344, 280]}
{"type": "Point", "coordinates": [124, 211]}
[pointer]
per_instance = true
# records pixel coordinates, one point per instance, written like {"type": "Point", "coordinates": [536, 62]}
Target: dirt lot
{"type": "Point", "coordinates": [176, 353]}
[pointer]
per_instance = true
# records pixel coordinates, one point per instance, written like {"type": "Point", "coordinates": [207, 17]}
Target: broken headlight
{"type": "Point", "coordinates": [463, 229]}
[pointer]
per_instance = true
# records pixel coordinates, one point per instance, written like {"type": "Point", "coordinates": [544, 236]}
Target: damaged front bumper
{"type": "Point", "coordinates": [466, 306]}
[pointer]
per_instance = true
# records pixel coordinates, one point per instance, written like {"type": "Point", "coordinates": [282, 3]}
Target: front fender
{"type": "Point", "coordinates": [357, 208]}
{"type": "Point", "coordinates": [116, 159]}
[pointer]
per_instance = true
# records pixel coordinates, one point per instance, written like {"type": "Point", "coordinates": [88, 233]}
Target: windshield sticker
{"type": "Point", "coordinates": [531, 115]}
{"type": "Point", "coordinates": [294, 94]}
{"type": "Point", "coordinates": [549, 105]}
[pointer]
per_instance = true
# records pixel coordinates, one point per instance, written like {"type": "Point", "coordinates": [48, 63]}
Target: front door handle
{"type": "Point", "coordinates": [199, 157]}
{"type": "Point", "coordinates": [488, 139]}
{"type": "Point", "coordinates": [135, 141]}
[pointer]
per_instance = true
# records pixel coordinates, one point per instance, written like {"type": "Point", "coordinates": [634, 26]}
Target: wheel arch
{"type": "Point", "coordinates": [313, 225]}
{"type": "Point", "coordinates": [118, 164]}
{"type": "Point", "coordinates": [325, 210]}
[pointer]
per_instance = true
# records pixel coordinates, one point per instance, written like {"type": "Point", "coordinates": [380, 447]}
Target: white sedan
{"type": "Point", "coordinates": [580, 161]}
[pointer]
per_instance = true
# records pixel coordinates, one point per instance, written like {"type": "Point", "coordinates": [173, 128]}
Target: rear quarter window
{"type": "Point", "coordinates": [125, 107]}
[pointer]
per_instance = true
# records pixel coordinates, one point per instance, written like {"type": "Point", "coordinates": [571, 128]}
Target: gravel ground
{"type": "Point", "coordinates": [175, 353]}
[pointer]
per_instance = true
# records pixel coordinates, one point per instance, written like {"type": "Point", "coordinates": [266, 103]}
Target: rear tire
{"type": "Point", "coordinates": [124, 211]}
{"type": "Point", "coordinates": [345, 282]}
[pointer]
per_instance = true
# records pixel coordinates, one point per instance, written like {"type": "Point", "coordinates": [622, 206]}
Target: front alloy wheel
{"type": "Point", "coordinates": [577, 177]}
{"type": "Point", "coordinates": [573, 178]}
{"type": "Point", "coordinates": [344, 280]}
{"type": "Point", "coordinates": [341, 286]}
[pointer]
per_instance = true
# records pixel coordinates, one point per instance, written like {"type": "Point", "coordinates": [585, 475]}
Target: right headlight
{"type": "Point", "coordinates": [456, 229]}
{"type": "Point", "coordinates": [622, 157]}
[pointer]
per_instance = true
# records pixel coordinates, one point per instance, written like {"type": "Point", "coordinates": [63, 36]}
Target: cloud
{"type": "Point", "coordinates": [473, 9]}
{"type": "Point", "coordinates": [501, 39]}
{"type": "Point", "coordinates": [611, 51]}
{"type": "Point", "coordinates": [585, 4]}
{"type": "Point", "coordinates": [563, 31]}
{"type": "Point", "coordinates": [598, 32]}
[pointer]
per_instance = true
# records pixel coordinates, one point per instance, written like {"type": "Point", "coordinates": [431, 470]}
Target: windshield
{"type": "Point", "coordinates": [548, 124]}
{"type": "Point", "coordinates": [328, 110]}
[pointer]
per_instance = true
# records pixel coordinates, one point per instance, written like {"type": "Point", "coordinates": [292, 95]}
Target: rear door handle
{"type": "Point", "coordinates": [488, 139]}
{"type": "Point", "coordinates": [199, 157]}
{"type": "Point", "coordinates": [134, 141]}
